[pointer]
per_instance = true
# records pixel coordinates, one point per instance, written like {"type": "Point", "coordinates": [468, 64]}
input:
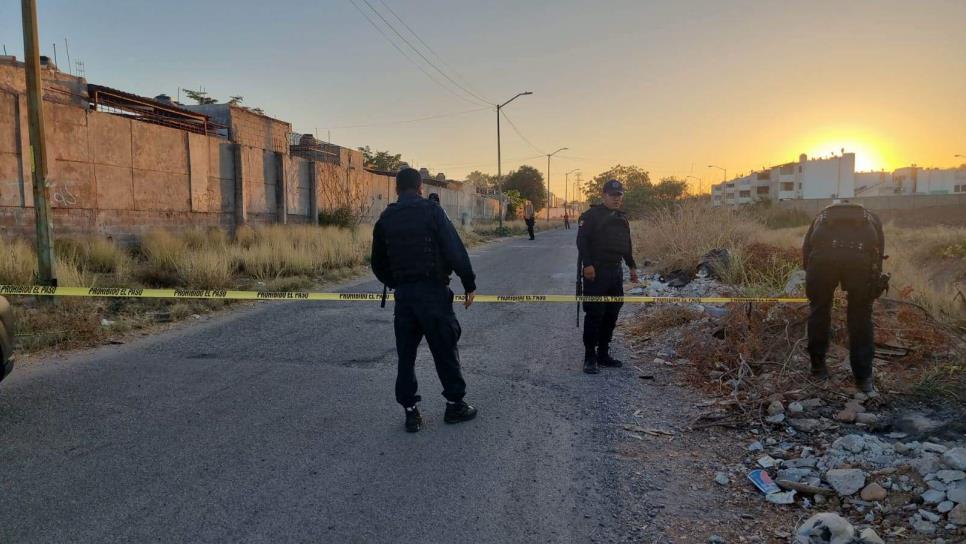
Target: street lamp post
{"type": "Point", "coordinates": [567, 185]}
{"type": "Point", "coordinates": [499, 165]}
{"type": "Point", "coordinates": [700, 183]}
{"type": "Point", "coordinates": [548, 179]}
{"type": "Point", "coordinates": [725, 170]}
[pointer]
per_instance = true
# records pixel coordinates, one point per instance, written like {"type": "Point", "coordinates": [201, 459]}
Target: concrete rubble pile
{"type": "Point", "coordinates": [838, 456]}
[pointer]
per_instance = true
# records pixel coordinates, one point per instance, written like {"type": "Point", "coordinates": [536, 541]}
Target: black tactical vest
{"type": "Point", "coordinates": [612, 237]}
{"type": "Point", "coordinates": [844, 230]}
{"type": "Point", "coordinates": [411, 241]}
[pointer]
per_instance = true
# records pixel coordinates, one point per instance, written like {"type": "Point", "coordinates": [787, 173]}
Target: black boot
{"type": "Point", "coordinates": [458, 412]}
{"type": "Point", "coordinates": [590, 363]}
{"type": "Point", "coordinates": [604, 359]}
{"type": "Point", "coordinates": [819, 368]}
{"type": "Point", "coordinates": [414, 421]}
{"type": "Point", "coordinates": [865, 385]}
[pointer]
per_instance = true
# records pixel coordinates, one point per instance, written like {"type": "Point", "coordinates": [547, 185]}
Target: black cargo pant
{"type": "Point", "coordinates": [530, 223]}
{"type": "Point", "coordinates": [855, 274]}
{"type": "Point", "coordinates": [426, 309]}
{"type": "Point", "coordinates": [601, 317]}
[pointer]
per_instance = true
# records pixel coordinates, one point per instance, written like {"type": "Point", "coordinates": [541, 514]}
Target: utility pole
{"type": "Point", "coordinates": [548, 179]}
{"type": "Point", "coordinates": [567, 187]}
{"type": "Point", "coordinates": [38, 149]}
{"type": "Point", "coordinates": [499, 164]}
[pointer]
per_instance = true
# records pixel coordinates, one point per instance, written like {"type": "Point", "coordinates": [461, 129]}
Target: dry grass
{"type": "Point", "coordinates": [676, 237]}
{"type": "Point", "coordinates": [18, 263]}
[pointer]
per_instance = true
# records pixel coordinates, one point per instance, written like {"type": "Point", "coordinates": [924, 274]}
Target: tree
{"type": "Point", "coordinates": [382, 160]}
{"type": "Point", "coordinates": [201, 97]}
{"type": "Point", "coordinates": [640, 195]}
{"type": "Point", "coordinates": [514, 202]}
{"type": "Point", "coordinates": [235, 100]}
{"type": "Point", "coordinates": [485, 183]}
{"type": "Point", "coordinates": [528, 181]}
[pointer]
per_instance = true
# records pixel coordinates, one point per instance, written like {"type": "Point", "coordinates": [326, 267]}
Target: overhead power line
{"type": "Point", "coordinates": [426, 45]}
{"type": "Point", "coordinates": [422, 56]}
{"type": "Point", "coordinates": [406, 121]}
{"type": "Point", "coordinates": [520, 134]}
{"type": "Point", "coordinates": [409, 58]}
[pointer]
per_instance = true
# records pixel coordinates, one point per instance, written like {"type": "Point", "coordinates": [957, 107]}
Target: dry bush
{"type": "Point", "coordinates": [206, 269]}
{"type": "Point", "coordinates": [761, 269]}
{"type": "Point", "coordinates": [18, 263]}
{"type": "Point", "coordinates": [661, 319]}
{"type": "Point", "coordinates": [677, 237]}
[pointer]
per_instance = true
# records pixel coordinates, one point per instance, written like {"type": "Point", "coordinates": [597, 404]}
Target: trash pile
{"type": "Point", "coordinates": [816, 446]}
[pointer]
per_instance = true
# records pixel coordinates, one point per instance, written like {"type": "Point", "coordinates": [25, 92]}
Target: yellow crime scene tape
{"type": "Point", "coordinates": [225, 294]}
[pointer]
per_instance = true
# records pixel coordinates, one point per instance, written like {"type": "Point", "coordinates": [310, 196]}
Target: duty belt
{"type": "Point", "coordinates": [857, 246]}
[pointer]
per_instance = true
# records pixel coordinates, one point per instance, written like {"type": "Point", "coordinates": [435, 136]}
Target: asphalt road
{"type": "Point", "coordinates": [277, 423]}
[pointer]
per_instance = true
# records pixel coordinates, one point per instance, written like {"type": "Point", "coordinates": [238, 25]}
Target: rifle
{"type": "Point", "coordinates": [580, 287]}
{"type": "Point", "coordinates": [384, 289]}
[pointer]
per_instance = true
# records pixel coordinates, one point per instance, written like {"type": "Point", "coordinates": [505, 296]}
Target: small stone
{"type": "Point", "coordinates": [825, 528]}
{"type": "Point", "coordinates": [955, 458]}
{"type": "Point", "coordinates": [901, 448]}
{"type": "Point", "coordinates": [860, 396]}
{"type": "Point", "coordinates": [915, 424]}
{"type": "Point", "coordinates": [776, 419]}
{"type": "Point", "coordinates": [873, 492]}
{"type": "Point", "coordinates": [850, 442]}
{"type": "Point", "coordinates": [933, 496]}
{"type": "Point", "coordinates": [934, 448]}
{"type": "Point", "coordinates": [810, 404]}
{"type": "Point", "coordinates": [922, 526]}
{"type": "Point", "coordinates": [929, 516]}
{"type": "Point", "coordinates": [958, 515]}
{"type": "Point", "coordinates": [776, 407]}
{"type": "Point", "coordinates": [957, 492]}
{"type": "Point", "coordinates": [795, 408]}
{"type": "Point", "coordinates": [767, 461]}
{"type": "Point", "coordinates": [945, 506]}
{"type": "Point", "coordinates": [805, 425]}
{"type": "Point", "coordinates": [949, 476]}
{"type": "Point", "coordinates": [786, 497]}
{"type": "Point", "coordinates": [866, 419]}
{"type": "Point", "coordinates": [755, 446]}
{"type": "Point", "coordinates": [845, 481]}
{"type": "Point", "coordinates": [715, 539]}
{"type": "Point", "coordinates": [721, 478]}
{"type": "Point", "coordinates": [847, 415]}
{"type": "Point", "coordinates": [937, 485]}
{"type": "Point", "coordinates": [869, 536]}
{"type": "Point", "coordinates": [926, 463]}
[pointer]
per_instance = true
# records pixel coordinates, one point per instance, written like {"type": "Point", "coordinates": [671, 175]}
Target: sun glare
{"type": "Point", "coordinates": [871, 152]}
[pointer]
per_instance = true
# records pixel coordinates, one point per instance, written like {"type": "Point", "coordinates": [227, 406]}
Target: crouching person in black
{"type": "Point", "coordinates": [844, 245]}
{"type": "Point", "coordinates": [415, 248]}
{"type": "Point", "coordinates": [603, 241]}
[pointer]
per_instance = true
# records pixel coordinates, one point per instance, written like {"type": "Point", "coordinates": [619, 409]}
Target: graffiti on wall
{"type": "Point", "coordinates": [61, 195]}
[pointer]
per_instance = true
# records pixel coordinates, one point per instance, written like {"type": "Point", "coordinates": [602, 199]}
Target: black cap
{"type": "Point", "coordinates": [613, 187]}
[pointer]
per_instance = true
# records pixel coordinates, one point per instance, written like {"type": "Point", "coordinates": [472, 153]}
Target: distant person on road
{"type": "Point", "coordinates": [529, 217]}
{"type": "Point", "coordinates": [844, 245]}
{"type": "Point", "coordinates": [415, 248]}
{"type": "Point", "coordinates": [566, 221]}
{"type": "Point", "coordinates": [603, 241]}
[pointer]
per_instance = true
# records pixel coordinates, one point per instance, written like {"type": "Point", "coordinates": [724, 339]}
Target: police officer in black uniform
{"type": "Point", "coordinates": [844, 245]}
{"type": "Point", "coordinates": [603, 241]}
{"type": "Point", "coordinates": [415, 248]}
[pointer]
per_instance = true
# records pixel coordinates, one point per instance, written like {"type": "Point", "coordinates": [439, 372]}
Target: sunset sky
{"type": "Point", "coordinates": [669, 86]}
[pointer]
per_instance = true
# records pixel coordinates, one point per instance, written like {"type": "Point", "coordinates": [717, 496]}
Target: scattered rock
{"type": "Point", "coordinates": [850, 442]}
{"type": "Point", "coordinates": [795, 408]}
{"type": "Point", "coordinates": [767, 461]}
{"type": "Point", "coordinates": [795, 283]}
{"type": "Point", "coordinates": [929, 516]}
{"type": "Point", "coordinates": [949, 476]}
{"type": "Point", "coordinates": [873, 492]}
{"type": "Point", "coordinates": [936, 484]}
{"type": "Point", "coordinates": [845, 481]}
{"type": "Point", "coordinates": [776, 419]}
{"type": "Point", "coordinates": [945, 506]}
{"type": "Point", "coordinates": [794, 474]}
{"type": "Point", "coordinates": [106, 322]}
{"type": "Point", "coordinates": [866, 418]}
{"type": "Point", "coordinates": [958, 515]}
{"type": "Point", "coordinates": [922, 526]}
{"type": "Point", "coordinates": [715, 539]}
{"type": "Point", "coordinates": [934, 448]}
{"type": "Point", "coordinates": [805, 425]}
{"type": "Point", "coordinates": [915, 424]}
{"type": "Point", "coordinates": [955, 458]}
{"type": "Point", "coordinates": [755, 446]}
{"type": "Point", "coordinates": [927, 463]}
{"type": "Point", "coordinates": [869, 536]}
{"type": "Point", "coordinates": [933, 496]}
{"type": "Point", "coordinates": [721, 478]}
{"type": "Point", "coordinates": [826, 528]}
{"type": "Point", "coordinates": [776, 407]}
{"type": "Point", "coordinates": [957, 492]}
{"type": "Point", "coordinates": [811, 404]}
{"type": "Point", "coordinates": [786, 497]}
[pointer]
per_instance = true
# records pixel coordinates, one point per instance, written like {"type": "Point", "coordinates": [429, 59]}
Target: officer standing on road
{"type": "Point", "coordinates": [414, 250]}
{"type": "Point", "coordinates": [529, 217]}
{"type": "Point", "coordinates": [844, 245]}
{"type": "Point", "coordinates": [603, 241]}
